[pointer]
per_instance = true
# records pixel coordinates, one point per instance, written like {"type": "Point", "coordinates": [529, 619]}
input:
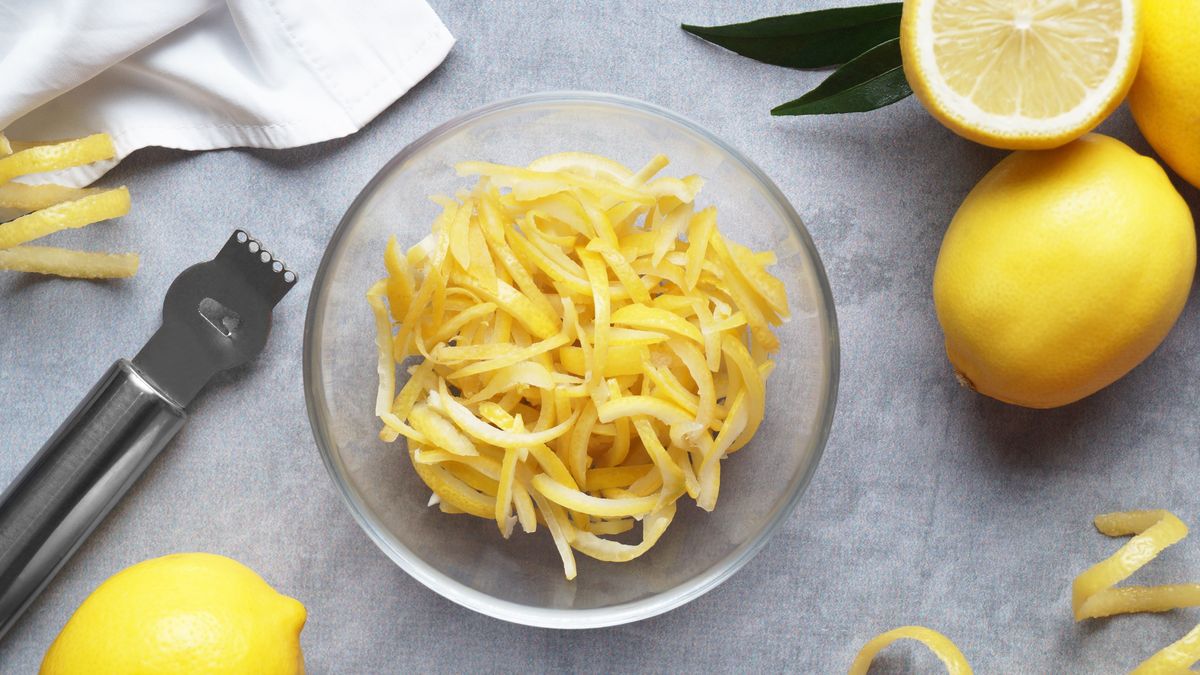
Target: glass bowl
{"type": "Point", "coordinates": [521, 579]}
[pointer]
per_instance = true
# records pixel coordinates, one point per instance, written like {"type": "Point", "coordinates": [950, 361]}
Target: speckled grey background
{"type": "Point", "coordinates": [932, 505]}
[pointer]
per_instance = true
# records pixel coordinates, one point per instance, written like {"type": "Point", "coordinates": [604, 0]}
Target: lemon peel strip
{"type": "Point", "coordinates": [1093, 595]}
{"type": "Point", "coordinates": [593, 506]}
{"type": "Point", "coordinates": [34, 197]}
{"type": "Point", "coordinates": [616, 476]}
{"type": "Point", "coordinates": [1175, 659]}
{"type": "Point", "coordinates": [68, 215]}
{"type": "Point", "coordinates": [513, 358]}
{"type": "Point", "coordinates": [43, 158]}
{"type": "Point", "coordinates": [630, 406]}
{"type": "Point", "coordinates": [504, 493]}
{"type": "Point", "coordinates": [940, 645]}
{"type": "Point", "coordinates": [440, 432]}
{"type": "Point", "coordinates": [655, 319]}
{"type": "Point", "coordinates": [399, 280]}
{"type": "Point", "coordinates": [383, 340]}
{"type": "Point", "coordinates": [452, 490]}
{"type": "Point", "coordinates": [64, 262]}
{"type": "Point", "coordinates": [466, 420]}
{"type": "Point", "coordinates": [509, 176]}
{"type": "Point", "coordinates": [653, 527]}
{"type": "Point", "coordinates": [560, 531]}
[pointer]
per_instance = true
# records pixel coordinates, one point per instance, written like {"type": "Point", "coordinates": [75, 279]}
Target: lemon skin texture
{"type": "Point", "coordinates": [193, 613]}
{"type": "Point", "coordinates": [1165, 98]}
{"type": "Point", "coordinates": [1062, 270]}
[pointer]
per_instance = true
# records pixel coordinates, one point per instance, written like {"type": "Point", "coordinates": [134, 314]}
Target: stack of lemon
{"type": "Point", "coordinates": [1069, 262]}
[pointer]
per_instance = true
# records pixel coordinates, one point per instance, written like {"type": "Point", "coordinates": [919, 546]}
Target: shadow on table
{"type": "Point", "coordinates": [1103, 425]}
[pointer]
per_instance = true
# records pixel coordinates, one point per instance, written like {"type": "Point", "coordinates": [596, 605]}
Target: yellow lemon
{"type": "Point", "coordinates": [1165, 98]}
{"type": "Point", "coordinates": [193, 613]}
{"type": "Point", "coordinates": [1020, 75]}
{"type": "Point", "coordinates": [1062, 270]}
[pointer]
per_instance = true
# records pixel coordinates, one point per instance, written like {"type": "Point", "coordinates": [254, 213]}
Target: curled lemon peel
{"type": "Point", "coordinates": [940, 645]}
{"type": "Point", "coordinates": [1093, 594]}
{"type": "Point", "coordinates": [587, 351]}
{"type": "Point", "coordinates": [1175, 659]}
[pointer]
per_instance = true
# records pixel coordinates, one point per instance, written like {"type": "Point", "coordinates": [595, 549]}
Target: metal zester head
{"type": "Point", "coordinates": [216, 315]}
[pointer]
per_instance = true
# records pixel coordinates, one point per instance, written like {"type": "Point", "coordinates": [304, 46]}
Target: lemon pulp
{"type": "Point", "coordinates": [1020, 74]}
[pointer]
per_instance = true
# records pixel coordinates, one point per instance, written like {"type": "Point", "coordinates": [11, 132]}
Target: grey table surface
{"type": "Point", "coordinates": [932, 505]}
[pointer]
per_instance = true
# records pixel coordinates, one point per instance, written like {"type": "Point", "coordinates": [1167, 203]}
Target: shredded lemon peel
{"type": "Point", "coordinates": [588, 351]}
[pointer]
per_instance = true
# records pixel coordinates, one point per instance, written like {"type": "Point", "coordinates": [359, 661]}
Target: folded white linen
{"type": "Point", "coordinates": [205, 74]}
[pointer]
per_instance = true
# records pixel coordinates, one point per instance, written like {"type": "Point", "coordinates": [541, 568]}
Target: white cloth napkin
{"type": "Point", "coordinates": [205, 74]}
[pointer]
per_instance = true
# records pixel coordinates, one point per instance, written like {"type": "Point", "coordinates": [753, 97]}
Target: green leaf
{"type": "Point", "coordinates": [873, 80]}
{"type": "Point", "coordinates": [826, 37]}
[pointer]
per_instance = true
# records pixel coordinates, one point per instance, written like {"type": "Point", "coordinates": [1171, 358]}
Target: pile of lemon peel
{"type": "Point", "coordinates": [51, 208]}
{"type": "Point", "coordinates": [1094, 596]}
{"type": "Point", "coordinates": [590, 348]}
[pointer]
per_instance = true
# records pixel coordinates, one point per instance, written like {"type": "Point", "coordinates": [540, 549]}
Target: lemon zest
{"type": "Point", "coordinates": [585, 503]}
{"type": "Point", "coordinates": [78, 213]}
{"type": "Point", "coordinates": [941, 646]}
{"type": "Point", "coordinates": [52, 157]}
{"type": "Point", "coordinates": [64, 262]}
{"type": "Point", "coordinates": [1175, 659]}
{"type": "Point", "coordinates": [565, 295]}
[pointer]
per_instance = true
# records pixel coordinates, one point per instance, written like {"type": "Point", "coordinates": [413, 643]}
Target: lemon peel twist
{"type": "Point", "coordinates": [1094, 595]}
{"type": "Point", "coordinates": [940, 645]}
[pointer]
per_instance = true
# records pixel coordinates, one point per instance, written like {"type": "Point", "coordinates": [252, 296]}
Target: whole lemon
{"type": "Point", "coordinates": [1165, 98]}
{"type": "Point", "coordinates": [1062, 270]}
{"type": "Point", "coordinates": [186, 613]}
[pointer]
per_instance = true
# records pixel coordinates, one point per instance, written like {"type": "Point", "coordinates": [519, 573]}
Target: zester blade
{"type": "Point", "coordinates": [216, 315]}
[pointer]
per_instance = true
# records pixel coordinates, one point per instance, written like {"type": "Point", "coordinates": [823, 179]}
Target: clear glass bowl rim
{"type": "Point", "coordinates": [539, 616]}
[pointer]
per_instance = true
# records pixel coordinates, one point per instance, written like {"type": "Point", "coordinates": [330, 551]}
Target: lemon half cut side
{"type": "Point", "coordinates": [1020, 74]}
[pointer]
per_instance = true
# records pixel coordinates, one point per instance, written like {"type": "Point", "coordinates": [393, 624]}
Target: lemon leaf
{"type": "Point", "coordinates": [872, 80]}
{"type": "Point", "coordinates": [817, 39]}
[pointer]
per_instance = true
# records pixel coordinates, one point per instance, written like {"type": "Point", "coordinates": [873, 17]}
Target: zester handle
{"type": "Point", "coordinates": [76, 478]}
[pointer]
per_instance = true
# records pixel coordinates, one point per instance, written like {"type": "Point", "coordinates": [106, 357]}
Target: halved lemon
{"type": "Point", "coordinates": [1020, 74]}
